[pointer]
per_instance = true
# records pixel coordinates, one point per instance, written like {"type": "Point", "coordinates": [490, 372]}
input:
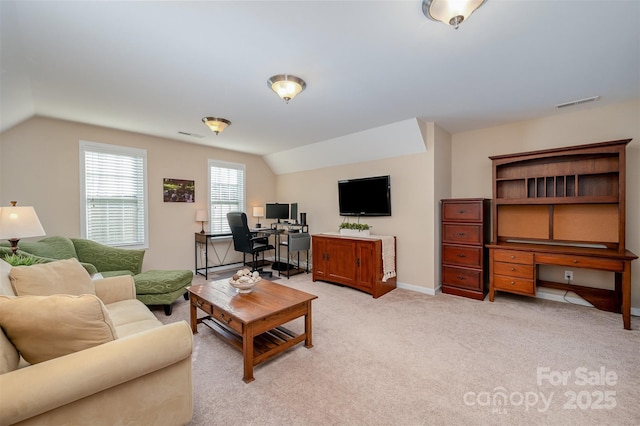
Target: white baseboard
{"type": "Point", "coordinates": [570, 297]}
{"type": "Point", "coordinates": [418, 289]}
{"type": "Point", "coordinates": [559, 296]}
{"type": "Point", "coordinates": [541, 293]}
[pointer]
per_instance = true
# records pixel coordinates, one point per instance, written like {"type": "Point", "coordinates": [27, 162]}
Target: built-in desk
{"type": "Point", "coordinates": [513, 269]}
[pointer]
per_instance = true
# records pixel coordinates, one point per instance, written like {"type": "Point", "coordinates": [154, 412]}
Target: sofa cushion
{"type": "Point", "coordinates": [108, 274]}
{"type": "Point", "coordinates": [59, 277]}
{"type": "Point", "coordinates": [162, 281]}
{"type": "Point", "coordinates": [55, 247]}
{"type": "Point", "coordinates": [5, 282]}
{"type": "Point", "coordinates": [74, 323]}
{"type": "Point", "coordinates": [131, 316]}
{"type": "Point", "coordinates": [9, 356]}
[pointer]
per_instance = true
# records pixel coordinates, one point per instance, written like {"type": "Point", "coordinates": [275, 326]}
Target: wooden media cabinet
{"type": "Point", "coordinates": [352, 261]}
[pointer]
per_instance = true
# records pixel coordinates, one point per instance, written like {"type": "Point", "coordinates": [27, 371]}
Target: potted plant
{"type": "Point", "coordinates": [21, 260]}
{"type": "Point", "coordinates": [354, 229]}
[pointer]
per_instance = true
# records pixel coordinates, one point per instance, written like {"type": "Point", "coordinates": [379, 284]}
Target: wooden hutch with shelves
{"type": "Point", "coordinates": [563, 206]}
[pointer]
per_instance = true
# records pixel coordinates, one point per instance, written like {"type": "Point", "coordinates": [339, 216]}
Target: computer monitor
{"type": "Point", "coordinates": [276, 211]}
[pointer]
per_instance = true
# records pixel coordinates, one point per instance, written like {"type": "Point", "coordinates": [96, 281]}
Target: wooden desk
{"type": "Point", "coordinates": [513, 269]}
{"type": "Point", "coordinates": [202, 240]}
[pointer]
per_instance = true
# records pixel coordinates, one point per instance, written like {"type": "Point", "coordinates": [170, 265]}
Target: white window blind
{"type": "Point", "coordinates": [226, 192]}
{"type": "Point", "coordinates": [113, 194]}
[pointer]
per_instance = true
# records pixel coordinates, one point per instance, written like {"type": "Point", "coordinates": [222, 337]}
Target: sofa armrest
{"type": "Point", "coordinates": [107, 258]}
{"type": "Point", "coordinates": [42, 387]}
{"type": "Point", "coordinates": [115, 289]}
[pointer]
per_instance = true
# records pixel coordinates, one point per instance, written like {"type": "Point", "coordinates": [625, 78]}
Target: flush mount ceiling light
{"type": "Point", "coordinates": [451, 12]}
{"type": "Point", "coordinates": [286, 86]}
{"type": "Point", "coordinates": [216, 124]}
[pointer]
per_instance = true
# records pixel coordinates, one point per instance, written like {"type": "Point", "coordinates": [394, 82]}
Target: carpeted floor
{"type": "Point", "coordinates": [412, 359]}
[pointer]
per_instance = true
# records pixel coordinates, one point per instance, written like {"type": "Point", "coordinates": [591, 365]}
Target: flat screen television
{"type": "Point", "coordinates": [276, 211]}
{"type": "Point", "coordinates": [365, 196]}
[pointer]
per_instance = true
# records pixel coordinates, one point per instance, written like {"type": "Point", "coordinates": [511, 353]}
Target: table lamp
{"type": "Point", "coordinates": [258, 212]}
{"type": "Point", "coordinates": [19, 222]}
{"type": "Point", "coordinates": [201, 216]}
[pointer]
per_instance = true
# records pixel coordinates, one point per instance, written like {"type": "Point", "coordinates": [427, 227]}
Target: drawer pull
{"type": "Point", "coordinates": [461, 255]}
{"type": "Point", "coordinates": [575, 261]}
{"type": "Point", "coordinates": [460, 277]}
{"type": "Point", "coordinates": [512, 283]}
{"type": "Point", "coordinates": [513, 269]}
{"type": "Point", "coordinates": [513, 257]}
{"type": "Point", "coordinates": [199, 303]}
{"type": "Point", "coordinates": [461, 234]}
{"type": "Point", "coordinates": [461, 211]}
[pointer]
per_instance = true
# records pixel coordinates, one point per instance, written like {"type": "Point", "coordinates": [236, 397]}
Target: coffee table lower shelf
{"type": "Point", "coordinates": [265, 345]}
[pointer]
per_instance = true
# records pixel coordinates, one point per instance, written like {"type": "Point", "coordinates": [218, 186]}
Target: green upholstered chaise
{"type": "Point", "coordinates": [155, 287]}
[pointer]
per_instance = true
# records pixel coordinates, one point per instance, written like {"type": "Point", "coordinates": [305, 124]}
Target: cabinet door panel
{"type": "Point", "coordinates": [318, 255]}
{"type": "Point", "coordinates": [341, 261]}
{"type": "Point", "coordinates": [366, 265]}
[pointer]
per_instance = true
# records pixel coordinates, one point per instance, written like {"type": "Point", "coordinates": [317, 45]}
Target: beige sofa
{"type": "Point", "coordinates": [98, 356]}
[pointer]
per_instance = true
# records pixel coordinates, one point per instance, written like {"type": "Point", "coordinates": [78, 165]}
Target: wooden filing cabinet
{"type": "Point", "coordinates": [465, 231]}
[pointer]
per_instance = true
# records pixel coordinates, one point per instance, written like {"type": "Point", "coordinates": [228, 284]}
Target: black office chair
{"type": "Point", "coordinates": [246, 241]}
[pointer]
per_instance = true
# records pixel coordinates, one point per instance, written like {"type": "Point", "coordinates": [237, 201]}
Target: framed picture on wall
{"type": "Point", "coordinates": [178, 190]}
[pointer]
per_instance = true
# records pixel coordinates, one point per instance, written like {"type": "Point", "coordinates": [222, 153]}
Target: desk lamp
{"type": "Point", "coordinates": [201, 216]}
{"type": "Point", "coordinates": [19, 222]}
{"type": "Point", "coordinates": [258, 212]}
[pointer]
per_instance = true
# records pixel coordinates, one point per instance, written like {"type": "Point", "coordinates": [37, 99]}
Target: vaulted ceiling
{"type": "Point", "coordinates": [159, 67]}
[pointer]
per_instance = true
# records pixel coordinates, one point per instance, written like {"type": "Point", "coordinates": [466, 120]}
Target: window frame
{"type": "Point", "coordinates": [243, 202]}
{"type": "Point", "coordinates": [88, 146]}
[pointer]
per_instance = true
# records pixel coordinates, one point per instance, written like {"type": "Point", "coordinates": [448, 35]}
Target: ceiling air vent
{"type": "Point", "coordinates": [191, 134]}
{"type": "Point", "coordinates": [578, 102]}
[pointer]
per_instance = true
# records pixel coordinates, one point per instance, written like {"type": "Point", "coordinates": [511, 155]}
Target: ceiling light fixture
{"type": "Point", "coordinates": [216, 124]}
{"type": "Point", "coordinates": [451, 12]}
{"type": "Point", "coordinates": [286, 86]}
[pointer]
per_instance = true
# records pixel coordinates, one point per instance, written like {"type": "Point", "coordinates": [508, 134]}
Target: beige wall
{"type": "Point", "coordinates": [40, 167]}
{"type": "Point", "coordinates": [316, 192]}
{"type": "Point", "coordinates": [471, 168]}
{"type": "Point", "coordinates": [417, 184]}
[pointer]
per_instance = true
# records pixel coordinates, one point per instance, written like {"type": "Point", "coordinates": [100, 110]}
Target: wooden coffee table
{"type": "Point", "coordinates": [252, 322]}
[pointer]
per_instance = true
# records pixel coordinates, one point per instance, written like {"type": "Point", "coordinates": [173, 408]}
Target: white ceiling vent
{"type": "Point", "coordinates": [578, 102]}
{"type": "Point", "coordinates": [191, 134]}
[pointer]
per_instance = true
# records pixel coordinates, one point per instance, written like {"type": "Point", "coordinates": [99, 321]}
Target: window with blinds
{"type": "Point", "coordinates": [226, 193]}
{"type": "Point", "coordinates": [113, 194]}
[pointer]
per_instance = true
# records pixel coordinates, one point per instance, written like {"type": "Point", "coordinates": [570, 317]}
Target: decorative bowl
{"type": "Point", "coordinates": [244, 280]}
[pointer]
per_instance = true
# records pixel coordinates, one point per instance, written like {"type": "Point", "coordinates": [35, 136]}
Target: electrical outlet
{"type": "Point", "coordinates": [568, 275]}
